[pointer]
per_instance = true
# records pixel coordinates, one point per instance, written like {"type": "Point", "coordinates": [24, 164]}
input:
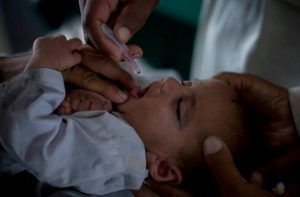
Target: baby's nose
{"type": "Point", "coordinates": [169, 83]}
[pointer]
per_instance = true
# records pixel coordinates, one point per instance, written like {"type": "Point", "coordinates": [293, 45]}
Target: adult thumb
{"type": "Point", "coordinates": [132, 17]}
{"type": "Point", "coordinates": [220, 162]}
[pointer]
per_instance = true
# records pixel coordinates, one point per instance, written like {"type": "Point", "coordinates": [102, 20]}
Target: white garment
{"type": "Point", "coordinates": [255, 36]}
{"type": "Point", "coordinates": [95, 152]}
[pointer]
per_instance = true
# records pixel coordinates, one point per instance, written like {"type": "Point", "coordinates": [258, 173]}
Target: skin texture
{"type": "Point", "coordinates": [46, 50]}
{"type": "Point", "coordinates": [272, 103]}
{"type": "Point", "coordinates": [124, 17]}
{"type": "Point", "coordinates": [177, 116]}
{"type": "Point", "coordinates": [96, 73]}
{"type": "Point", "coordinates": [221, 165]}
{"type": "Point", "coordinates": [12, 65]}
{"type": "Point", "coordinates": [205, 108]}
{"type": "Point", "coordinates": [254, 90]}
{"type": "Point", "coordinates": [83, 100]}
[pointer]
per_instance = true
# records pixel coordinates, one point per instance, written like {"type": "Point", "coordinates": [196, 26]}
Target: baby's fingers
{"type": "Point", "coordinates": [75, 44]}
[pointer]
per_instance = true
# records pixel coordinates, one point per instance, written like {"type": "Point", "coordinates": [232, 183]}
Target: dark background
{"type": "Point", "coordinates": [167, 37]}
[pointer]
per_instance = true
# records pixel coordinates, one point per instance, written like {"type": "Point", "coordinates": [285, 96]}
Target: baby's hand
{"type": "Point", "coordinates": [55, 52]}
{"type": "Point", "coordinates": [83, 100]}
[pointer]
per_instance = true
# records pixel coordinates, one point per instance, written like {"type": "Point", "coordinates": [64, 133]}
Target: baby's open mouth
{"type": "Point", "coordinates": [138, 92]}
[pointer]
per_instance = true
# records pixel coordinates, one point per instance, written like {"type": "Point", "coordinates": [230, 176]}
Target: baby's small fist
{"type": "Point", "coordinates": [55, 52]}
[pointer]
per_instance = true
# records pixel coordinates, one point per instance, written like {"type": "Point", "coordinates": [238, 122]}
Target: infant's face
{"type": "Point", "coordinates": [171, 115]}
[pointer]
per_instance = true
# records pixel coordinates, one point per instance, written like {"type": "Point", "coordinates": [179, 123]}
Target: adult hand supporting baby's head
{"type": "Point", "coordinates": [226, 175]}
{"type": "Point", "coordinates": [270, 102]}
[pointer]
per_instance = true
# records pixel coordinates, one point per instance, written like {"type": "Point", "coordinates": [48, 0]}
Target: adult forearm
{"type": "Point", "coordinates": [12, 65]}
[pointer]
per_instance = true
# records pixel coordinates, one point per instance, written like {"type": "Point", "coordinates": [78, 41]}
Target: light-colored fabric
{"type": "Point", "coordinates": [254, 36]}
{"type": "Point", "coordinates": [294, 96]}
{"type": "Point", "coordinates": [95, 152]}
{"type": "Point", "coordinates": [2, 55]}
{"type": "Point", "coordinates": [227, 31]}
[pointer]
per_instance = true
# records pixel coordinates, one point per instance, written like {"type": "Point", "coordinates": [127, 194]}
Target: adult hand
{"type": "Point", "coordinates": [271, 103]}
{"type": "Point", "coordinates": [83, 100]}
{"type": "Point", "coordinates": [83, 76]}
{"type": "Point", "coordinates": [227, 177]}
{"type": "Point", "coordinates": [102, 75]}
{"type": "Point", "coordinates": [125, 17]}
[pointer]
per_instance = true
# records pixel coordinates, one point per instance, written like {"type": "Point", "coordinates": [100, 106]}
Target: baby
{"type": "Point", "coordinates": [159, 133]}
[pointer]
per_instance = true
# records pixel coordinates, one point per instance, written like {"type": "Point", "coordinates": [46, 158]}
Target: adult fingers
{"type": "Point", "coordinates": [83, 100]}
{"type": "Point", "coordinates": [225, 173]}
{"type": "Point", "coordinates": [65, 107]}
{"type": "Point", "coordinates": [135, 50]}
{"type": "Point", "coordinates": [270, 102]}
{"type": "Point", "coordinates": [132, 17]}
{"type": "Point", "coordinates": [221, 165]}
{"type": "Point", "coordinates": [90, 100]}
{"type": "Point", "coordinates": [85, 79]}
{"type": "Point", "coordinates": [94, 14]}
{"type": "Point", "coordinates": [105, 66]}
{"type": "Point", "coordinates": [260, 94]}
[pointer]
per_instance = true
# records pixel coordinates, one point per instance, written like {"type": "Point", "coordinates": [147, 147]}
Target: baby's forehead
{"type": "Point", "coordinates": [212, 86]}
{"type": "Point", "coordinates": [213, 97]}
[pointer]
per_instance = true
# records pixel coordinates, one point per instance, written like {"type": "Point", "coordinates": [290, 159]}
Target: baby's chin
{"type": "Point", "coordinates": [128, 105]}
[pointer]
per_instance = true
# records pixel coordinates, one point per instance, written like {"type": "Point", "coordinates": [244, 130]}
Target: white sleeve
{"type": "Point", "coordinates": [294, 96]}
{"type": "Point", "coordinates": [86, 150]}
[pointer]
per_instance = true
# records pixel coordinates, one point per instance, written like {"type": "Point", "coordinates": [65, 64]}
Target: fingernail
{"type": "Point", "coordinates": [124, 34]}
{"type": "Point", "coordinates": [212, 145]}
{"type": "Point", "coordinates": [187, 83]}
{"type": "Point", "coordinates": [137, 55]}
{"type": "Point", "coordinates": [123, 95]}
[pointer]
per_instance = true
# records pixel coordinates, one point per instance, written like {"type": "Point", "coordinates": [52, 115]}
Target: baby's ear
{"type": "Point", "coordinates": [162, 170]}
